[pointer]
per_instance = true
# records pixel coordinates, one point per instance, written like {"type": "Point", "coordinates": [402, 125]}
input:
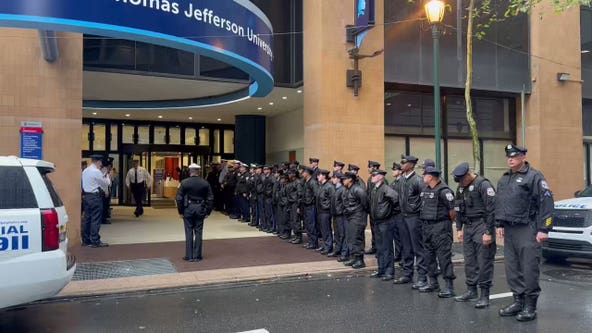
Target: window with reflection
{"type": "Point", "coordinates": [100, 142]}
{"type": "Point", "coordinates": [127, 133]}
{"type": "Point", "coordinates": [229, 141]}
{"type": "Point", "coordinates": [114, 132]}
{"type": "Point", "coordinates": [204, 137]}
{"type": "Point", "coordinates": [85, 139]}
{"type": "Point", "coordinates": [216, 141]}
{"type": "Point", "coordinates": [159, 135]}
{"type": "Point", "coordinates": [175, 135]}
{"type": "Point", "coordinates": [143, 135]}
{"type": "Point", "coordinates": [190, 135]}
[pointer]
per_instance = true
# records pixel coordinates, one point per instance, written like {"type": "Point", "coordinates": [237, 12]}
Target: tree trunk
{"type": "Point", "coordinates": [469, 85]}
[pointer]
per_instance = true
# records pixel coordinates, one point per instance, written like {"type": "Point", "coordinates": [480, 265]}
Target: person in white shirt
{"type": "Point", "coordinates": [137, 180]}
{"type": "Point", "coordinates": [95, 186]}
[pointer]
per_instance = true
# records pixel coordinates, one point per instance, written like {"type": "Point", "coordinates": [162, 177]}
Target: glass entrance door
{"type": "Point", "coordinates": [128, 159]}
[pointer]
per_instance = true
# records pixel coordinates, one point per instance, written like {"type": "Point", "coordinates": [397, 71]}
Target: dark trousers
{"type": "Point", "coordinates": [139, 192]}
{"type": "Point", "coordinates": [282, 220]}
{"type": "Point", "coordinates": [373, 231]}
{"type": "Point", "coordinates": [339, 235]}
{"type": "Point", "coordinates": [261, 210]}
{"type": "Point", "coordinates": [93, 215]}
{"type": "Point", "coordinates": [437, 238]}
{"type": "Point", "coordinates": [324, 223]}
{"type": "Point", "coordinates": [229, 201]}
{"type": "Point", "coordinates": [254, 209]}
{"type": "Point", "coordinates": [193, 232]}
{"type": "Point", "coordinates": [356, 225]}
{"type": "Point", "coordinates": [243, 201]}
{"type": "Point", "coordinates": [522, 257]}
{"type": "Point", "coordinates": [384, 246]}
{"type": "Point", "coordinates": [106, 209]}
{"type": "Point", "coordinates": [309, 213]}
{"type": "Point", "coordinates": [295, 220]}
{"type": "Point", "coordinates": [268, 208]}
{"type": "Point", "coordinates": [397, 236]}
{"type": "Point", "coordinates": [412, 247]}
{"type": "Point", "coordinates": [478, 257]}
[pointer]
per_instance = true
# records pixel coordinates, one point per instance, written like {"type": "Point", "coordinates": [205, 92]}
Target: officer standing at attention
{"type": "Point", "coordinates": [282, 218]}
{"type": "Point", "coordinates": [355, 208]}
{"type": "Point", "coordinates": [475, 206]}
{"type": "Point", "coordinates": [356, 170]}
{"type": "Point", "coordinates": [372, 166]}
{"type": "Point", "coordinates": [253, 195]}
{"type": "Point", "coordinates": [294, 196]}
{"type": "Point", "coordinates": [397, 174]}
{"type": "Point", "coordinates": [437, 214]}
{"type": "Point", "coordinates": [523, 212]}
{"type": "Point", "coordinates": [314, 165]}
{"type": "Point", "coordinates": [268, 181]}
{"type": "Point", "coordinates": [338, 167]}
{"type": "Point", "coordinates": [242, 192]}
{"type": "Point", "coordinates": [340, 247]}
{"type": "Point", "coordinates": [323, 206]}
{"type": "Point", "coordinates": [95, 186]}
{"type": "Point", "coordinates": [309, 192]}
{"type": "Point", "coordinates": [384, 202]}
{"type": "Point", "coordinates": [412, 246]}
{"type": "Point", "coordinates": [195, 201]}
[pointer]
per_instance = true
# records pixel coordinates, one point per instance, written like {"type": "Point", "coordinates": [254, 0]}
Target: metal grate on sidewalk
{"type": "Point", "coordinates": [126, 268]}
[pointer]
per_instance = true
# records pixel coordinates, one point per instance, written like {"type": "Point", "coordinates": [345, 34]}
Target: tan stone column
{"type": "Point", "coordinates": [32, 89]}
{"type": "Point", "coordinates": [337, 125]}
{"type": "Point", "coordinates": [554, 109]}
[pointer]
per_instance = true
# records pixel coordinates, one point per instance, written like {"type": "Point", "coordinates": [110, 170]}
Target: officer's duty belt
{"type": "Point", "coordinates": [435, 221]}
{"type": "Point", "coordinates": [473, 220]}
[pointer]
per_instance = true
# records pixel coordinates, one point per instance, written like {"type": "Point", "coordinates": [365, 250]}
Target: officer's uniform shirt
{"type": "Point", "coordinates": [241, 183]}
{"type": "Point", "coordinates": [524, 197]}
{"type": "Point", "coordinates": [195, 190]}
{"type": "Point", "coordinates": [142, 174]}
{"type": "Point", "coordinates": [436, 203]}
{"type": "Point", "coordinates": [93, 179]}
{"type": "Point", "coordinates": [476, 201]}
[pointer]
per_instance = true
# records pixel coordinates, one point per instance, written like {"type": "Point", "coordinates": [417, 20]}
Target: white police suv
{"type": "Point", "coordinates": [572, 228]}
{"type": "Point", "coordinates": [34, 263]}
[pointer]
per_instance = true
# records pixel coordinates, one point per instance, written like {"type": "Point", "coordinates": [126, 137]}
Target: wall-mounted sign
{"type": "Point", "coordinates": [365, 17]}
{"type": "Point", "coordinates": [232, 31]}
{"type": "Point", "coordinates": [31, 140]}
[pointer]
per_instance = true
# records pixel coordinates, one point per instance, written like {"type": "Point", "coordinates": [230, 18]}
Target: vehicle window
{"type": "Point", "coordinates": [57, 202]}
{"type": "Point", "coordinates": [16, 191]}
{"type": "Point", "coordinates": [586, 193]}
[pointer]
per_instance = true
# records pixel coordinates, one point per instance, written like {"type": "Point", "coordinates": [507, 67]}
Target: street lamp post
{"type": "Point", "coordinates": [435, 14]}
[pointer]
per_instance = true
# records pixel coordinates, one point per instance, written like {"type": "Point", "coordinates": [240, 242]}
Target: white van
{"type": "Point", "coordinates": [34, 262]}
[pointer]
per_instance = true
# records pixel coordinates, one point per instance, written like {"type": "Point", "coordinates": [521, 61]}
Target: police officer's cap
{"type": "Point", "coordinates": [396, 166]}
{"type": "Point", "coordinates": [266, 167]}
{"type": "Point", "coordinates": [378, 172]}
{"type": "Point", "coordinates": [243, 165]}
{"type": "Point", "coordinates": [339, 175]}
{"type": "Point", "coordinates": [409, 159]}
{"type": "Point", "coordinates": [373, 164]}
{"type": "Point", "coordinates": [286, 164]}
{"type": "Point", "coordinates": [96, 157]}
{"type": "Point", "coordinates": [313, 160]}
{"type": "Point", "coordinates": [351, 175]}
{"type": "Point", "coordinates": [461, 170]}
{"type": "Point", "coordinates": [295, 163]}
{"type": "Point", "coordinates": [337, 163]}
{"type": "Point", "coordinates": [513, 150]}
{"type": "Point", "coordinates": [433, 171]}
{"type": "Point", "coordinates": [428, 162]}
{"type": "Point", "coordinates": [307, 170]}
{"type": "Point", "coordinates": [323, 172]}
{"type": "Point", "coordinates": [194, 166]}
{"type": "Point", "coordinates": [258, 166]}
{"type": "Point", "coordinates": [284, 176]}
{"type": "Point", "coordinates": [292, 172]}
{"type": "Point", "coordinates": [351, 167]}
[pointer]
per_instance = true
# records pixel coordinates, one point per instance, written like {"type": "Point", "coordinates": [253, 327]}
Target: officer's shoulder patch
{"type": "Point", "coordinates": [544, 185]}
{"type": "Point", "coordinates": [449, 196]}
{"type": "Point", "coordinates": [491, 192]}
{"type": "Point", "coordinates": [471, 188]}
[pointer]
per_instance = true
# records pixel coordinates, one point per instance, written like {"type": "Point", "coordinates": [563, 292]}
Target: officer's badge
{"type": "Point", "coordinates": [519, 180]}
{"type": "Point", "coordinates": [471, 188]}
{"type": "Point", "coordinates": [509, 147]}
{"type": "Point", "coordinates": [491, 192]}
{"type": "Point", "coordinates": [432, 195]}
{"type": "Point", "coordinates": [544, 185]}
{"type": "Point", "coordinates": [449, 196]}
{"type": "Point", "coordinates": [421, 194]}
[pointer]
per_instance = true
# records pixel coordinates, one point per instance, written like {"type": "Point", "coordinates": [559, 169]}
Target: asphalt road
{"type": "Point", "coordinates": [343, 303]}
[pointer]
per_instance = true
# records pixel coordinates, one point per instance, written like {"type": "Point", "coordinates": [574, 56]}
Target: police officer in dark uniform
{"type": "Point", "coordinates": [475, 206]}
{"type": "Point", "coordinates": [229, 191]}
{"type": "Point", "coordinates": [314, 165]}
{"type": "Point", "coordinates": [323, 206]}
{"type": "Point", "coordinates": [309, 192]}
{"type": "Point", "coordinates": [372, 166]}
{"type": "Point", "coordinates": [355, 208]}
{"type": "Point", "coordinates": [195, 201]}
{"type": "Point", "coordinates": [242, 192]}
{"type": "Point", "coordinates": [294, 196]}
{"type": "Point", "coordinates": [384, 202]}
{"type": "Point", "coordinates": [253, 195]}
{"type": "Point", "coordinates": [282, 218]}
{"type": "Point", "coordinates": [437, 214]}
{"type": "Point", "coordinates": [260, 223]}
{"type": "Point", "coordinates": [340, 247]}
{"type": "Point", "coordinates": [523, 213]}
{"type": "Point", "coordinates": [277, 174]}
{"type": "Point", "coordinates": [352, 168]}
{"type": "Point", "coordinates": [397, 174]}
{"type": "Point", "coordinates": [338, 167]}
{"type": "Point", "coordinates": [268, 181]}
{"type": "Point", "coordinates": [412, 246]}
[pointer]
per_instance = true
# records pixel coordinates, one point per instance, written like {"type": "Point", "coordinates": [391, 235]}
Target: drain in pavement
{"type": "Point", "coordinates": [126, 268]}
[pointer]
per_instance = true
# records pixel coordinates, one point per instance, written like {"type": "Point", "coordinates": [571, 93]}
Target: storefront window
{"type": "Point", "coordinates": [127, 134]}
{"type": "Point", "coordinates": [228, 141]}
{"type": "Point", "coordinates": [190, 134]}
{"type": "Point", "coordinates": [204, 137]}
{"type": "Point", "coordinates": [159, 135]}
{"type": "Point", "coordinates": [494, 159]}
{"type": "Point", "coordinates": [85, 141]}
{"type": "Point", "coordinates": [175, 135]}
{"type": "Point", "coordinates": [143, 135]}
{"type": "Point", "coordinates": [99, 134]}
{"type": "Point", "coordinates": [114, 130]}
{"type": "Point", "coordinates": [217, 141]}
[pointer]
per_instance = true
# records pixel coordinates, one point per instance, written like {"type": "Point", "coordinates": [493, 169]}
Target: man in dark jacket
{"type": "Point", "coordinates": [384, 201]}
{"type": "Point", "coordinates": [195, 201]}
{"type": "Point", "coordinates": [267, 181]}
{"type": "Point", "coordinates": [294, 196]}
{"type": "Point", "coordinates": [282, 216]}
{"type": "Point", "coordinates": [355, 208]}
{"type": "Point", "coordinates": [323, 205]}
{"type": "Point", "coordinates": [242, 193]}
{"type": "Point", "coordinates": [340, 247]}
{"type": "Point", "coordinates": [372, 166]}
{"type": "Point", "coordinates": [309, 193]}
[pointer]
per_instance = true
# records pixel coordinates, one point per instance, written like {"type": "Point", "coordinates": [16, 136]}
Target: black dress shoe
{"type": "Point", "coordinates": [402, 280]}
{"type": "Point", "coordinates": [309, 247]}
{"type": "Point", "coordinates": [342, 259]}
{"type": "Point", "coordinates": [358, 264]}
{"type": "Point", "coordinates": [319, 249]}
{"type": "Point", "coordinates": [349, 262]}
{"type": "Point", "coordinates": [332, 254]}
{"type": "Point", "coordinates": [324, 252]}
{"type": "Point", "coordinates": [419, 284]}
{"type": "Point", "coordinates": [429, 287]}
{"type": "Point", "coordinates": [376, 275]}
{"type": "Point", "coordinates": [284, 236]}
{"type": "Point", "coordinates": [370, 251]}
{"type": "Point", "coordinates": [186, 258]}
{"type": "Point", "coordinates": [99, 244]}
{"type": "Point", "coordinates": [387, 277]}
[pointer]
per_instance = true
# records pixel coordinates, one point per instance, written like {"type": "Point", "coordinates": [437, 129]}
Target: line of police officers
{"type": "Point", "coordinates": [411, 220]}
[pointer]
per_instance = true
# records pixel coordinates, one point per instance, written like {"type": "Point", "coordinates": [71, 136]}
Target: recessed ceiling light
{"type": "Point", "coordinates": [270, 103]}
{"type": "Point", "coordinates": [409, 105]}
{"type": "Point", "coordinates": [159, 117]}
{"type": "Point", "coordinates": [190, 118]}
{"type": "Point", "coordinates": [585, 51]}
{"type": "Point", "coordinates": [300, 91]}
{"type": "Point", "coordinates": [388, 104]}
{"type": "Point", "coordinates": [259, 108]}
{"type": "Point", "coordinates": [95, 113]}
{"type": "Point", "coordinates": [284, 97]}
{"type": "Point", "coordinates": [219, 119]}
{"type": "Point", "coordinates": [127, 114]}
{"type": "Point", "coordinates": [203, 127]}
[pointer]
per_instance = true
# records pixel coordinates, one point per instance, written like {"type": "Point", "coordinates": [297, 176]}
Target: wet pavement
{"type": "Point", "coordinates": [323, 303]}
